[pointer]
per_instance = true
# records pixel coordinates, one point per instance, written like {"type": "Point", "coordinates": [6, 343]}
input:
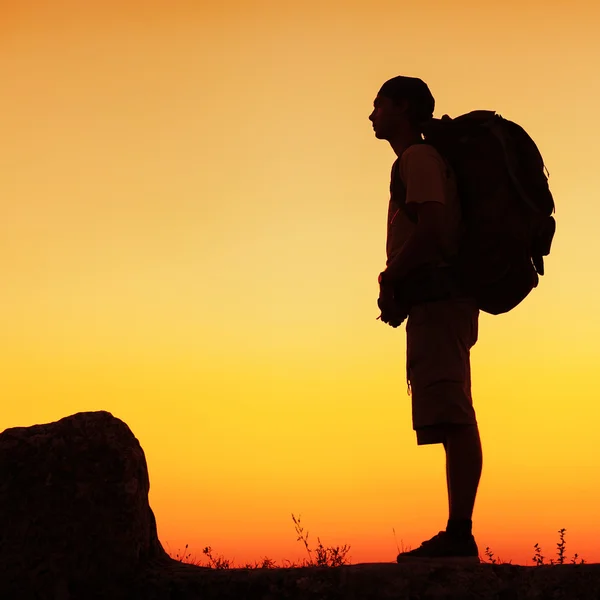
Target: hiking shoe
{"type": "Point", "coordinates": [444, 548]}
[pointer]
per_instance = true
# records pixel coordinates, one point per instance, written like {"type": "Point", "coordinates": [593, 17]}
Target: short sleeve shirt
{"type": "Point", "coordinates": [427, 177]}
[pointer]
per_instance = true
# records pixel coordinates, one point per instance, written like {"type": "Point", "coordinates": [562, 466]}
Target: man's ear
{"type": "Point", "coordinates": [402, 105]}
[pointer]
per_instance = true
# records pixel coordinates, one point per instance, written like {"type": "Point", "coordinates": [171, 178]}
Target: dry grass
{"type": "Point", "coordinates": [335, 556]}
{"type": "Point", "coordinates": [538, 558]}
{"type": "Point", "coordinates": [321, 556]}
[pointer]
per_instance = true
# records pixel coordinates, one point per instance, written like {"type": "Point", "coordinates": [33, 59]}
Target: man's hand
{"type": "Point", "coordinates": [391, 311]}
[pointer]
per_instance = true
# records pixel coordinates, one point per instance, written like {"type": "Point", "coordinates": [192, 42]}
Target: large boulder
{"type": "Point", "coordinates": [74, 502]}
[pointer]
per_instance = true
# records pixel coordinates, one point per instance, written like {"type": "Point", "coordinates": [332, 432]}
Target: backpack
{"type": "Point", "coordinates": [506, 204]}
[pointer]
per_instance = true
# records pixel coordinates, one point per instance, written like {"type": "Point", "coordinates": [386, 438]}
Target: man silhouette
{"type": "Point", "coordinates": [423, 232]}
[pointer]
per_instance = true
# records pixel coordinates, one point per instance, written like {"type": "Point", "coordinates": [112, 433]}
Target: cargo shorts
{"type": "Point", "coordinates": [439, 337]}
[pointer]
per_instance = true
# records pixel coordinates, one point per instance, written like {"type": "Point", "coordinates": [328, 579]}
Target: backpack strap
{"type": "Point", "coordinates": [398, 190]}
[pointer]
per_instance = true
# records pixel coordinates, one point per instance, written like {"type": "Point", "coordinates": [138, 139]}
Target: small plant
{"type": "Point", "coordinates": [538, 558]}
{"type": "Point", "coordinates": [183, 557]}
{"type": "Point", "coordinates": [301, 537]}
{"type": "Point", "coordinates": [216, 563]}
{"type": "Point", "coordinates": [574, 560]}
{"type": "Point", "coordinates": [288, 564]}
{"type": "Point", "coordinates": [561, 546]}
{"type": "Point", "coordinates": [492, 558]}
{"type": "Point", "coordinates": [325, 556]}
{"type": "Point", "coordinates": [331, 557]}
{"type": "Point", "coordinates": [266, 563]}
{"type": "Point", "coordinates": [402, 549]}
{"type": "Point", "coordinates": [490, 555]}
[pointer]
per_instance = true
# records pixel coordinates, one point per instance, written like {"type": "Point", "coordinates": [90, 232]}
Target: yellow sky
{"type": "Point", "coordinates": [193, 220]}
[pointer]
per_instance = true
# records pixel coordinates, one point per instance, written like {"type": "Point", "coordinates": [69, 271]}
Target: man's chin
{"type": "Point", "coordinates": [380, 135]}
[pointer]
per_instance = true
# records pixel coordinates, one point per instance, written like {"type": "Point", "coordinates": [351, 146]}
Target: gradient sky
{"type": "Point", "coordinates": [192, 222]}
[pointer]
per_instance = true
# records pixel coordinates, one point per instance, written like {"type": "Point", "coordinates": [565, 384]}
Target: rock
{"type": "Point", "coordinates": [74, 500]}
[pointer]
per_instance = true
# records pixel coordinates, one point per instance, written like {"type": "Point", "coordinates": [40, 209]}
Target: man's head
{"type": "Point", "coordinates": [402, 105]}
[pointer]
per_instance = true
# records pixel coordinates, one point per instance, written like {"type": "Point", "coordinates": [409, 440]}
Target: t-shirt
{"type": "Point", "coordinates": [427, 177]}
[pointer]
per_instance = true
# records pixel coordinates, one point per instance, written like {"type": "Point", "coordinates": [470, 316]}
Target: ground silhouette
{"type": "Point", "coordinates": [75, 524]}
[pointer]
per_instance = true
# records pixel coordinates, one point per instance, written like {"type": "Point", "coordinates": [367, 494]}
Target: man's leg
{"type": "Point", "coordinates": [448, 479]}
{"type": "Point", "coordinates": [464, 461]}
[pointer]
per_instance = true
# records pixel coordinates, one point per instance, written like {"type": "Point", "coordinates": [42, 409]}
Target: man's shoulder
{"type": "Point", "coordinates": [420, 151]}
{"type": "Point", "coordinates": [422, 161]}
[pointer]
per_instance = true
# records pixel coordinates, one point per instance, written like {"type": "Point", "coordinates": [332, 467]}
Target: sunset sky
{"type": "Point", "coordinates": [193, 210]}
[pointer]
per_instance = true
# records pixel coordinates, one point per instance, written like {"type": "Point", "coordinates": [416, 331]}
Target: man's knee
{"type": "Point", "coordinates": [459, 430]}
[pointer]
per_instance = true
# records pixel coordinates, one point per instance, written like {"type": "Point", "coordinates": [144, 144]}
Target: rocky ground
{"type": "Point", "coordinates": [377, 581]}
{"type": "Point", "coordinates": [75, 524]}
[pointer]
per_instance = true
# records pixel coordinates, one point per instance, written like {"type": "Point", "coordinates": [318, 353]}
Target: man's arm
{"type": "Point", "coordinates": [424, 244]}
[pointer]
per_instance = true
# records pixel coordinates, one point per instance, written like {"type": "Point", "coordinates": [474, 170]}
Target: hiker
{"type": "Point", "coordinates": [418, 285]}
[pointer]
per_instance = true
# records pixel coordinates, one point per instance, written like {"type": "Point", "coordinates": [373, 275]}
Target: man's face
{"type": "Point", "coordinates": [386, 117]}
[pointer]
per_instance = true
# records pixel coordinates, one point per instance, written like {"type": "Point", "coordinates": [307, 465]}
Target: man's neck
{"type": "Point", "coordinates": [402, 141]}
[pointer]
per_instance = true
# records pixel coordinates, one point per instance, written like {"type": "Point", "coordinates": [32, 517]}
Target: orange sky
{"type": "Point", "coordinates": [193, 220]}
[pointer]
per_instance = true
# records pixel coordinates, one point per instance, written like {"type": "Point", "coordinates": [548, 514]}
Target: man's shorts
{"type": "Point", "coordinates": [439, 338]}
